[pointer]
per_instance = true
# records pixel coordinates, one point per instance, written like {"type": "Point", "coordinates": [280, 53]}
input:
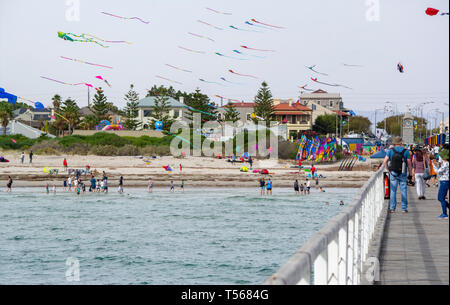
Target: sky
{"type": "Point", "coordinates": [375, 35]}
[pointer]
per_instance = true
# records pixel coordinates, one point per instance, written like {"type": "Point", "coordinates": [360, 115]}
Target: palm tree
{"type": "Point", "coordinates": [89, 122]}
{"type": "Point", "coordinates": [70, 111]}
{"type": "Point", "coordinates": [56, 100]}
{"type": "Point", "coordinates": [6, 114]}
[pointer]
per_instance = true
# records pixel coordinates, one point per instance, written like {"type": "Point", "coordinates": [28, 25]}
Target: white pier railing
{"type": "Point", "coordinates": [335, 255]}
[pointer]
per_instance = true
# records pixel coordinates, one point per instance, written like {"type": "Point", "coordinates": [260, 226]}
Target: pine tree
{"type": "Point", "coordinates": [264, 107]}
{"type": "Point", "coordinates": [100, 105]}
{"type": "Point", "coordinates": [231, 114]}
{"type": "Point", "coordinates": [132, 110]}
{"type": "Point", "coordinates": [161, 112]}
{"type": "Point", "coordinates": [199, 103]}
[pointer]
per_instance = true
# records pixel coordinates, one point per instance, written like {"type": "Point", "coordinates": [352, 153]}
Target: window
{"type": "Point", "coordinates": [147, 113]}
{"type": "Point", "coordinates": [314, 107]}
{"type": "Point", "coordinates": [331, 104]}
{"type": "Point", "coordinates": [294, 119]}
{"type": "Point", "coordinates": [175, 114]}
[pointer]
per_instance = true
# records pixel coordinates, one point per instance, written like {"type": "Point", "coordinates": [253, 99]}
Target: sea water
{"type": "Point", "coordinates": [201, 236]}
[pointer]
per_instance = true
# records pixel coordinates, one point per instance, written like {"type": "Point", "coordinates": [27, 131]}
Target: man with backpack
{"type": "Point", "coordinates": [398, 164]}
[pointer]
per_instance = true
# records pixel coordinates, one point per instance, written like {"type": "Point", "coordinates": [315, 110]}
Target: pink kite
{"type": "Point", "coordinates": [332, 85]}
{"type": "Point", "coordinates": [261, 50]}
{"type": "Point", "coordinates": [101, 78]}
{"type": "Point", "coordinates": [14, 141]}
{"type": "Point", "coordinates": [245, 75]}
{"type": "Point", "coordinates": [60, 82]}
{"type": "Point", "coordinates": [273, 26]}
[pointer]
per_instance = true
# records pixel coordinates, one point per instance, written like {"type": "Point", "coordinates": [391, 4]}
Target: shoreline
{"type": "Point", "coordinates": [197, 172]}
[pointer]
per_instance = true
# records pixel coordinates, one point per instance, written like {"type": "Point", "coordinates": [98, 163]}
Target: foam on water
{"type": "Point", "coordinates": [202, 236]}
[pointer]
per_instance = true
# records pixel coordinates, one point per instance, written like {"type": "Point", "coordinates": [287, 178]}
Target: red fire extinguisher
{"type": "Point", "coordinates": [387, 186]}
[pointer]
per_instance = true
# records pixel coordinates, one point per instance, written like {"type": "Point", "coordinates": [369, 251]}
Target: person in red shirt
{"type": "Point", "coordinates": [313, 171]}
{"type": "Point", "coordinates": [65, 164]}
{"type": "Point", "coordinates": [299, 165]}
{"type": "Point", "coordinates": [181, 168]}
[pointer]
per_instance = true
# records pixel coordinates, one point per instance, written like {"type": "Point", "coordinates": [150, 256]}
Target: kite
{"type": "Point", "coordinates": [195, 110]}
{"type": "Point", "coordinates": [225, 98]}
{"type": "Point", "coordinates": [245, 75]}
{"type": "Point", "coordinates": [205, 23]}
{"type": "Point", "coordinates": [87, 38]}
{"type": "Point", "coordinates": [227, 81]}
{"type": "Point", "coordinates": [312, 69]}
{"type": "Point", "coordinates": [193, 51]}
{"type": "Point", "coordinates": [272, 26]}
{"type": "Point", "coordinates": [167, 79]}
{"type": "Point", "coordinates": [220, 54]}
{"type": "Point", "coordinates": [85, 62]}
{"type": "Point", "coordinates": [209, 82]}
{"type": "Point", "coordinates": [37, 105]}
{"type": "Point", "coordinates": [12, 99]}
{"type": "Point", "coordinates": [68, 84]}
{"type": "Point", "coordinates": [253, 49]}
{"type": "Point", "coordinates": [244, 54]}
{"type": "Point", "coordinates": [433, 12]}
{"type": "Point", "coordinates": [304, 88]}
{"type": "Point", "coordinates": [332, 85]}
{"type": "Point", "coordinates": [257, 25]}
{"type": "Point", "coordinates": [178, 68]}
{"type": "Point", "coordinates": [14, 141]}
{"type": "Point", "coordinates": [400, 68]}
{"type": "Point", "coordinates": [200, 36]}
{"type": "Point", "coordinates": [101, 78]}
{"type": "Point", "coordinates": [239, 29]}
{"type": "Point", "coordinates": [347, 65]}
{"type": "Point", "coordinates": [218, 12]}
{"type": "Point", "coordinates": [126, 18]}
{"type": "Point", "coordinates": [167, 168]}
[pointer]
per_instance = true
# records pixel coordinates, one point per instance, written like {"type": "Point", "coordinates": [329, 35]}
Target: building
{"type": "Point", "coordinates": [113, 118]}
{"type": "Point", "coordinates": [177, 110]}
{"type": "Point", "coordinates": [33, 117]}
{"type": "Point", "coordinates": [245, 110]}
{"type": "Point", "coordinates": [296, 117]}
{"type": "Point", "coordinates": [330, 101]}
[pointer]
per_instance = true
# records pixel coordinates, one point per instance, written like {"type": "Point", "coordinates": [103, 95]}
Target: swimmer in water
{"type": "Point", "coordinates": [269, 187]}
{"type": "Point", "coordinates": [150, 185]}
{"type": "Point", "coordinates": [342, 203]}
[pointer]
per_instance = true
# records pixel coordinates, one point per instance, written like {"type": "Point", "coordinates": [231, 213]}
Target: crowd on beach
{"type": "Point", "coordinates": [421, 167]}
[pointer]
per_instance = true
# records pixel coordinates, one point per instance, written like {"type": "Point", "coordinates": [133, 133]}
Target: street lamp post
{"type": "Point", "coordinates": [376, 110]}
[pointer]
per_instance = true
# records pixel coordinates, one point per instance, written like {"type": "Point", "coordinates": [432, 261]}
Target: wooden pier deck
{"type": "Point", "coordinates": [415, 246]}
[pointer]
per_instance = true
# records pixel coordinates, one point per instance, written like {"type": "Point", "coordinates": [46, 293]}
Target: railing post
{"type": "Point", "coordinates": [356, 248]}
{"type": "Point", "coordinates": [343, 255]}
{"type": "Point", "coordinates": [321, 269]}
{"type": "Point", "coordinates": [350, 250]}
{"type": "Point", "coordinates": [333, 261]}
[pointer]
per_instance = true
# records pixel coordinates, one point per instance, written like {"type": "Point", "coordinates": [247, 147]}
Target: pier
{"type": "Point", "coordinates": [366, 245]}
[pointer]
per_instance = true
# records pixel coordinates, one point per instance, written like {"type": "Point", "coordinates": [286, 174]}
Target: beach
{"type": "Point", "coordinates": [196, 171]}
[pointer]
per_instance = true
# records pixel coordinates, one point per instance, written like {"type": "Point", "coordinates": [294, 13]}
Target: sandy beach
{"type": "Point", "coordinates": [196, 171]}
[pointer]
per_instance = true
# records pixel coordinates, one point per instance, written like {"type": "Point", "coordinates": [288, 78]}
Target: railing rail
{"type": "Point", "coordinates": [335, 255]}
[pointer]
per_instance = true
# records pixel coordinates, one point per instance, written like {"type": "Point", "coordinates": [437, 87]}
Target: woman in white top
{"type": "Point", "coordinates": [442, 170]}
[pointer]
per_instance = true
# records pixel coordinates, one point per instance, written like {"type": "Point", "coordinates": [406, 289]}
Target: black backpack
{"type": "Point", "coordinates": [397, 161]}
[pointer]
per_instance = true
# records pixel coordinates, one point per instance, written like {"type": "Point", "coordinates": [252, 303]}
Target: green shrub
{"type": "Point", "coordinates": [47, 151]}
{"type": "Point", "coordinates": [128, 150]}
{"type": "Point", "coordinates": [78, 149]}
{"type": "Point", "coordinates": [287, 150]}
{"type": "Point", "coordinates": [50, 146]}
{"type": "Point", "coordinates": [104, 150]}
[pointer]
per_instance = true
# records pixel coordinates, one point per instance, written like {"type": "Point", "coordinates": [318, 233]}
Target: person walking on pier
{"type": "Point", "coordinates": [399, 171]}
{"type": "Point", "coordinates": [419, 165]}
{"type": "Point", "coordinates": [443, 170]}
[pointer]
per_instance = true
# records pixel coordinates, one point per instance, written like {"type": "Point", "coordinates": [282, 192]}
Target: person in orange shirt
{"type": "Point", "coordinates": [432, 172]}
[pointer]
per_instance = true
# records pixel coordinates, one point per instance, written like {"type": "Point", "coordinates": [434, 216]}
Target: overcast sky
{"type": "Point", "coordinates": [325, 33]}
